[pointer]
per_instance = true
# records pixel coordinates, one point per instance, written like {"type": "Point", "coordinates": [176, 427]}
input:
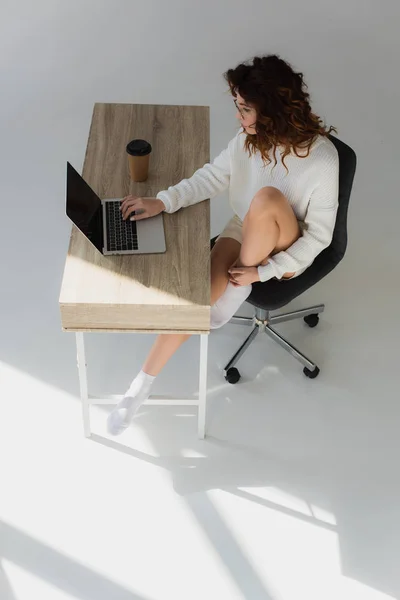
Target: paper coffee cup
{"type": "Point", "coordinates": [138, 159]}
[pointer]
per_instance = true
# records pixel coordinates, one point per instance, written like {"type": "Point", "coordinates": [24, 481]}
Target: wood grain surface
{"type": "Point", "coordinates": [150, 292]}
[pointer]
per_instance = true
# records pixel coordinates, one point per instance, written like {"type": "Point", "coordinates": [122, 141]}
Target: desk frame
{"type": "Point", "coordinates": [87, 399]}
{"type": "Point", "coordinates": [160, 293]}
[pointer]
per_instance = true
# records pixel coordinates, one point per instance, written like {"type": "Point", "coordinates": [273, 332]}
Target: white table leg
{"type": "Point", "coordinates": [86, 400]}
{"type": "Point", "coordinates": [83, 385]}
{"type": "Point", "coordinates": [203, 386]}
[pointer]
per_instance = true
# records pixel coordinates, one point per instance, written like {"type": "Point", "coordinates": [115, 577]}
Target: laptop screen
{"type": "Point", "coordinates": [83, 207]}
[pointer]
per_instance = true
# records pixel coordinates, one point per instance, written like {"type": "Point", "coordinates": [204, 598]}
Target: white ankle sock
{"type": "Point", "coordinates": [226, 306]}
{"type": "Point", "coordinates": [139, 390]}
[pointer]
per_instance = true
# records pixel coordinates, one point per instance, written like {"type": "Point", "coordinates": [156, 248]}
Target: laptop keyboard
{"type": "Point", "coordinates": [121, 235]}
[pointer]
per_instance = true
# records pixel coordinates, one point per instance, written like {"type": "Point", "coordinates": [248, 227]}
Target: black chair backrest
{"type": "Point", "coordinates": [347, 169]}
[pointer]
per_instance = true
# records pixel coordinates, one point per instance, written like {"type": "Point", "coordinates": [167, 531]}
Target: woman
{"type": "Point", "coordinates": [282, 173]}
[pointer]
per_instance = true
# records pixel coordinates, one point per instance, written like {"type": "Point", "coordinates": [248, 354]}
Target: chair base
{"type": "Point", "coordinates": [261, 323]}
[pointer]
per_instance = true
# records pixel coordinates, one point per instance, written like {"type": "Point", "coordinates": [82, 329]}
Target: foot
{"type": "Point", "coordinates": [122, 415]}
{"type": "Point", "coordinates": [118, 420]}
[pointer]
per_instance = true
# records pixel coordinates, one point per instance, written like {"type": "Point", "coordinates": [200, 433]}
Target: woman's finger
{"type": "Point", "coordinates": [127, 199]}
{"type": "Point", "coordinates": [130, 206]}
{"type": "Point", "coordinates": [138, 217]}
{"type": "Point", "coordinates": [236, 271]}
{"type": "Point", "coordinates": [134, 211]}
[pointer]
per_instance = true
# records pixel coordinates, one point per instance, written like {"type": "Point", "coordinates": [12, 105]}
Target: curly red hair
{"type": "Point", "coordinates": [279, 96]}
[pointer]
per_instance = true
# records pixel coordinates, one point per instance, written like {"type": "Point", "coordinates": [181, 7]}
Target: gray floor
{"type": "Point", "coordinates": [295, 474]}
{"type": "Point", "coordinates": [295, 493]}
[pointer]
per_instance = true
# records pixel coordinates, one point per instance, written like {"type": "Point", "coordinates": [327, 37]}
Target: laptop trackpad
{"type": "Point", "coordinates": [150, 234]}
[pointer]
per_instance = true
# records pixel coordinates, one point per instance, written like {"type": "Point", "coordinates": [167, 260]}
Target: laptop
{"type": "Point", "coordinates": [102, 223]}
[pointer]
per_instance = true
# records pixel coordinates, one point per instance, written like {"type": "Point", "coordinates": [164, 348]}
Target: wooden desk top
{"type": "Point", "coordinates": [149, 293]}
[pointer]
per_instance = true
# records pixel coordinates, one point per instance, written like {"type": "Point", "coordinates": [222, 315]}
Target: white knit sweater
{"type": "Point", "coordinates": [311, 187]}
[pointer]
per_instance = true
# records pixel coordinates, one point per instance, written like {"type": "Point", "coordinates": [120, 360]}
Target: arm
{"type": "Point", "coordinates": [320, 223]}
{"type": "Point", "coordinates": [206, 182]}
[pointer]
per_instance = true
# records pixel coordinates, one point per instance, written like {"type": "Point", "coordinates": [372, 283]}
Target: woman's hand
{"type": "Point", "coordinates": [243, 275]}
{"type": "Point", "coordinates": [143, 207]}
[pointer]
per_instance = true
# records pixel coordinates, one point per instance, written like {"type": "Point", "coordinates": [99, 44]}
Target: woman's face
{"type": "Point", "coordinates": [246, 115]}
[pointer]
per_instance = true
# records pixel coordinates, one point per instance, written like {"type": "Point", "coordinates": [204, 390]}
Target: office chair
{"type": "Point", "coordinates": [273, 294]}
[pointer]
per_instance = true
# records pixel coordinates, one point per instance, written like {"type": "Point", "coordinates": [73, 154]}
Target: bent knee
{"type": "Point", "coordinates": [269, 199]}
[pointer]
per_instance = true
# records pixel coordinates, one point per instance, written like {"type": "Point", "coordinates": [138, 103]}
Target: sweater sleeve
{"type": "Point", "coordinates": [206, 182]}
{"type": "Point", "coordinates": [320, 222]}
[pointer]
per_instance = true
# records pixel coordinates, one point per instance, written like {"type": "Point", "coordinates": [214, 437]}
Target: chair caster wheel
{"type": "Point", "coordinates": [232, 375]}
{"type": "Point", "coordinates": [311, 374]}
{"type": "Point", "coordinates": [312, 320]}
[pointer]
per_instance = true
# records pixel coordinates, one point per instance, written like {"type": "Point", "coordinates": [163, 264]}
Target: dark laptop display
{"type": "Point", "coordinates": [84, 208]}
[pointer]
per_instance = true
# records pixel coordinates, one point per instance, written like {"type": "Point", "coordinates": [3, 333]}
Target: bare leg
{"type": "Point", "coordinates": [270, 226]}
{"type": "Point", "coordinates": [167, 344]}
{"type": "Point", "coordinates": [164, 347]}
{"type": "Point", "coordinates": [224, 253]}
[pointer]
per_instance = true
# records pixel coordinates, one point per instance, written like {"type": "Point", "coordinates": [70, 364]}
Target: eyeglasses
{"type": "Point", "coordinates": [240, 111]}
